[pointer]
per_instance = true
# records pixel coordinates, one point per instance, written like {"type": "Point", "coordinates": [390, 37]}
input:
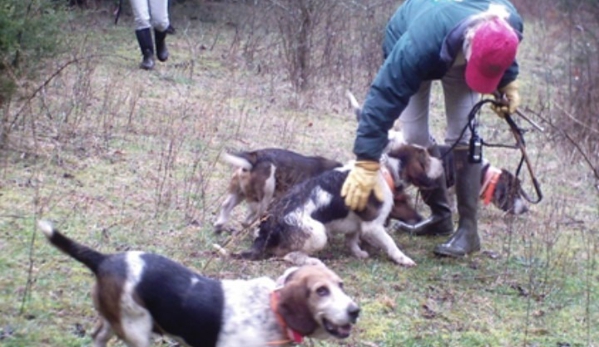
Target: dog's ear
{"type": "Point", "coordinates": [293, 305]}
{"type": "Point", "coordinates": [252, 157]}
{"type": "Point", "coordinates": [416, 164]}
{"type": "Point", "coordinates": [286, 276]}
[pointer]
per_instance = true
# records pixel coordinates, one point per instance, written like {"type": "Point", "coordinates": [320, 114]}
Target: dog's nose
{"type": "Point", "coordinates": [354, 311]}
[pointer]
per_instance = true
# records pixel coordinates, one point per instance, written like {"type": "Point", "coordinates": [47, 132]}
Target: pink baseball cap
{"type": "Point", "coordinates": [493, 50]}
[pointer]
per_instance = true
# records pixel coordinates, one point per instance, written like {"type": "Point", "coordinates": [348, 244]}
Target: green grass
{"type": "Point", "coordinates": [136, 167]}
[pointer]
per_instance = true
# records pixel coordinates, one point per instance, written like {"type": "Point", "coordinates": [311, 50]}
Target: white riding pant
{"type": "Point", "coordinates": [459, 99]}
{"type": "Point", "coordinates": [150, 13]}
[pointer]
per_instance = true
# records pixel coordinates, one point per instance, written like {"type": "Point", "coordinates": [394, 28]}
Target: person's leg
{"type": "Point", "coordinates": [415, 127]}
{"type": "Point", "coordinates": [141, 12]}
{"type": "Point", "coordinates": [459, 100]}
{"type": "Point", "coordinates": [414, 118]}
{"type": "Point", "coordinates": [160, 22]}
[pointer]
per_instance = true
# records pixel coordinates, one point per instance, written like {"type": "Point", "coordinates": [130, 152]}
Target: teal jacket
{"type": "Point", "coordinates": [421, 42]}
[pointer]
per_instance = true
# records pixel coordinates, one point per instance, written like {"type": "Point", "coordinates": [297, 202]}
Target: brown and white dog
{"type": "Point", "coordinates": [301, 222]}
{"type": "Point", "coordinates": [264, 175]}
{"type": "Point", "coordinates": [139, 293]}
{"type": "Point", "coordinates": [498, 186]}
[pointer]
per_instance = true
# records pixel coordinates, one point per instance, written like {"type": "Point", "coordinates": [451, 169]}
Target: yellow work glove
{"type": "Point", "coordinates": [362, 180]}
{"type": "Point", "coordinates": [510, 97]}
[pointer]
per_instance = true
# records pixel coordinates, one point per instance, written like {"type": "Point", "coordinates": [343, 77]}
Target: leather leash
{"type": "Point", "coordinates": [517, 132]}
{"type": "Point", "coordinates": [501, 100]}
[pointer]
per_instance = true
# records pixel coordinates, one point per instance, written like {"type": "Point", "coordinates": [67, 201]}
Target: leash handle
{"type": "Point", "coordinates": [501, 100]}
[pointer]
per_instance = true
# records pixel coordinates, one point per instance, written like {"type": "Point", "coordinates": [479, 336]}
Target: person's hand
{"type": "Point", "coordinates": [510, 97]}
{"type": "Point", "coordinates": [362, 180]}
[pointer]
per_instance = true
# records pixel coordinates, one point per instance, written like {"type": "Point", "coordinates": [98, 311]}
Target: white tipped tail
{"type": "Point", "coordinates": [46, 227]}
{"type": "Point", "coordinates": [89, 257]}
{"type": "Point", "coordinates": [352, 100]}
{"type": "Point", "coordinates": [354, 104]}
{"type": "Point", "coordinates": [237, 161]}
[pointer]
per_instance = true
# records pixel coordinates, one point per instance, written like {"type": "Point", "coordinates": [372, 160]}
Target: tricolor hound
{"type": "Point", "coordinates": [264, 175]}
{"type": "Point", "coordinates": [139, 293]}
{"type": "Point", "coordinates": [301, 222]}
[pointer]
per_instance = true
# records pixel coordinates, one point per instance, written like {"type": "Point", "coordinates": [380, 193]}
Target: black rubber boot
{"type": "Point", "coordinates": [436, 199]}
{"type": "Point", "coordinates": [161, 50]}
{"type": "Point", "coordinates": [466, 239]}
{"type": "Point", "coordinates": [144, 38]}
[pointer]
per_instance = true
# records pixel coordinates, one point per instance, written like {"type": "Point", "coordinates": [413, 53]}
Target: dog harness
{"type": "Point", "coordinates": [292, 335]}
{"type": "Point", "coordinates": [488, 187]}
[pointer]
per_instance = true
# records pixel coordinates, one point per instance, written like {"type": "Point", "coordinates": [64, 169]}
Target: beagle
{"type": "Point", "coordinates": [310, 213]}
{"type": "Point", "coordinates": [138, 293]}
{"type": "Point", "coordinates": [263, 175]}
{"type": "Point", "coordinates": [499, 187]}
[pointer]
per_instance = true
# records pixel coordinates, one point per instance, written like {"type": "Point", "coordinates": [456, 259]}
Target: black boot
{"type": "Point", "coordinates": [436, 199]}
{"type": "Point", "coordinates": [161, 50]}
{"type": "Point", "coordinates": [144, 38]}
{"type": "Point", "coordinates": [466, 239]}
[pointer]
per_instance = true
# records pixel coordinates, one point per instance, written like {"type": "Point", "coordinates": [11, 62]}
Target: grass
{"type": "Point", "coordinates": [127, 159]}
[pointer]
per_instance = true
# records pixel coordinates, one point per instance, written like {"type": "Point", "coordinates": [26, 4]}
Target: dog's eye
{"type": "Point", "coordinates": [341, 285]}
{"type": "Point", "coordinates": [322, 291]}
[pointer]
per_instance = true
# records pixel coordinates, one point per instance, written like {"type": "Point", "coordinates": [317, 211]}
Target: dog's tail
{"type": "Point", "coordinates": [238, 160]}
{"type": "Point", "coordinates": [89, 257]}
{"type": "Point", "coordinates": [354, 104]}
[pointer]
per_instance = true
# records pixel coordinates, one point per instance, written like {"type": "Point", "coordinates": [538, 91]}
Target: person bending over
{"type": "Point", "coordinates": [470, 46]}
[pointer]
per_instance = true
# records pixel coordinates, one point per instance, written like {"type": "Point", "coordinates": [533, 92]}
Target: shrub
{"type": "Point", "coordinates": [29, 34]}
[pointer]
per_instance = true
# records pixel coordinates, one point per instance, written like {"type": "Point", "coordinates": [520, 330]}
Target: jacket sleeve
{"type": "Point", "coordinates": [397, 80]}
{"type": "Point", "coordinates": [512, 72]}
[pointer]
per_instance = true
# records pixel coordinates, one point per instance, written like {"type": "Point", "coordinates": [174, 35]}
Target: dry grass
{"type": "Point", "coordinates": [127, 159]}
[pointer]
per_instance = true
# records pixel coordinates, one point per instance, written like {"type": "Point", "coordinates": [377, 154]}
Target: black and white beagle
{"type": "Point", "coordinates": [301, 222]}
{"type": "Point", "coordinates": [139, 293]}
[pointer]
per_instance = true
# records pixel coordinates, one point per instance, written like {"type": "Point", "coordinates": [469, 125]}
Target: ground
{"type": "Point", "coordinates": [124, 159]}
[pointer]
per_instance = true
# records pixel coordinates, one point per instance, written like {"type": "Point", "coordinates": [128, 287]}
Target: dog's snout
{"type": "Point", "coordinates": [354, 311]}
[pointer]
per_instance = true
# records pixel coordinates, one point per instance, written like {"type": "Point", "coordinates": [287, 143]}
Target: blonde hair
{"type": "Point", "coordinates": [495, 11]}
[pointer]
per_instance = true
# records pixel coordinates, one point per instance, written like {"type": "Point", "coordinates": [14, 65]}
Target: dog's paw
{"type": "Point", "coordinates": [406, 261]}
{"type": "Point", "coordinates": [248, 255]}
{"type": "Point", "coordinates": [301, 259]}
{"type": "Point", "coordinates": [218, 228]}
{"type": "Point", "coordinates": [313, 261]}
{"type": "Point", "coordinates": [221, 250]}
{"type": "Point", "coordinates": [358, 253]}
